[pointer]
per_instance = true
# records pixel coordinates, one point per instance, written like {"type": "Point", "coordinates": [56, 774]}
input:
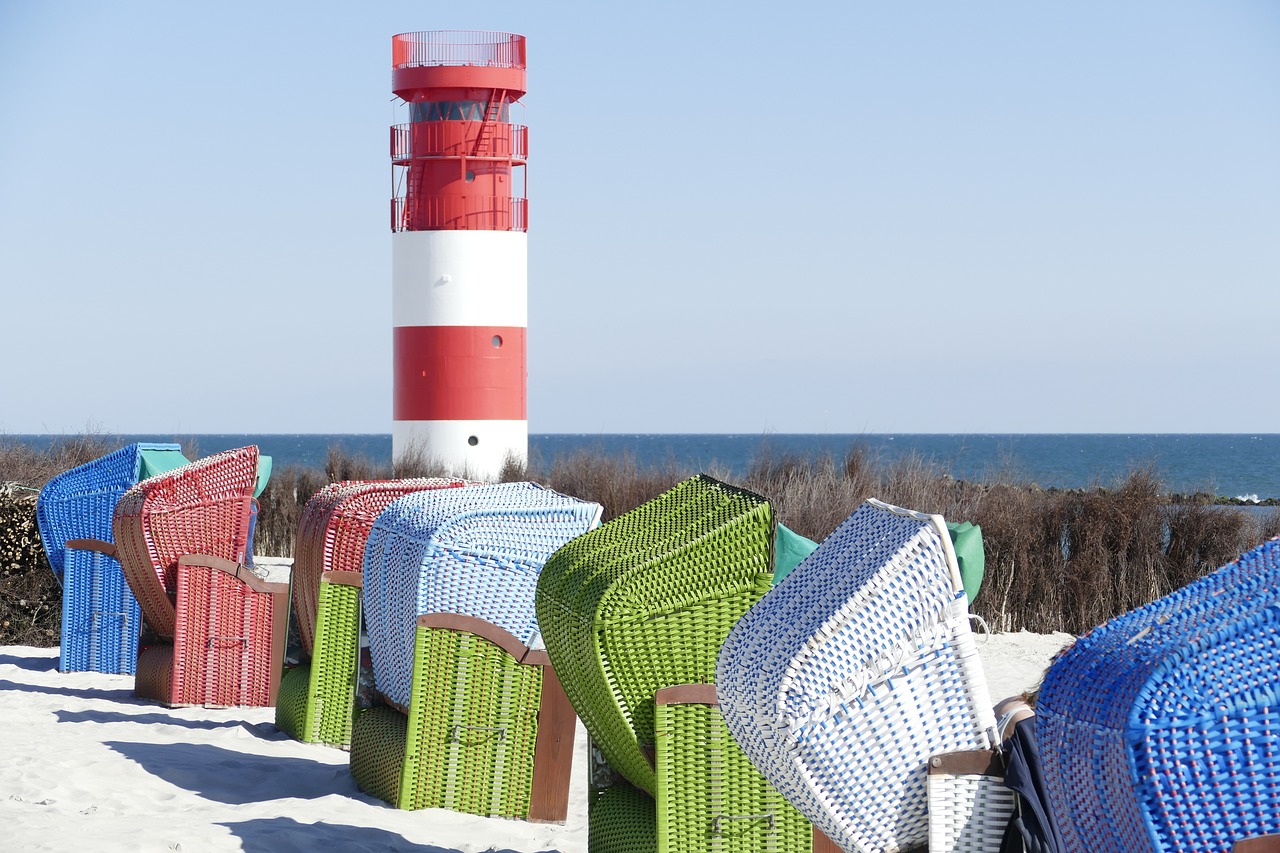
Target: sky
{"type": "Point", "coordinates": [843, 217]}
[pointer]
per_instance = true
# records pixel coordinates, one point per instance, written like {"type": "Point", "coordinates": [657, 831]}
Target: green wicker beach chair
{"type": "Point", "coordinates": [508, 756]}
{"type": "Point", "coordinates": [645, 601]}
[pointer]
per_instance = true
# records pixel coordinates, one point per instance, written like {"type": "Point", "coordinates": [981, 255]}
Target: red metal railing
{"type": "Point", "coordinates": [458, 47]}
{"type": "Point", "coordinates": [459, 213]}
{"type": "Point", "coordinates": [460, 139]}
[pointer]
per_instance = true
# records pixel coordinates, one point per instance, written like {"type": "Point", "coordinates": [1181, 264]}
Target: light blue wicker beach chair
{"type": "Point", "coordinates": [449, 579]}
{"type": "Point", "coordinates": [853, 671]}
{"type": "Point", "coordinates": [1160, 730]}
{"type": "Point", "coordinates": [100, 617]}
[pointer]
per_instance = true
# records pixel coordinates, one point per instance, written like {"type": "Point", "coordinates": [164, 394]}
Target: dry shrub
{"type": "Point", "coordinates": [1055, 560]}
{"type": "Point", "coordinates": [617, 483]}
{"type": "Point", "coordinates": [30, 596]}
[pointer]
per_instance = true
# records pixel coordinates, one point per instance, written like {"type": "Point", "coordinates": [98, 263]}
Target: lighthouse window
{"type": "Point", "coordinates": [455, 111]}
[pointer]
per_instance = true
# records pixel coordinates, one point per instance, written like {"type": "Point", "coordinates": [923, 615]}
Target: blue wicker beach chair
{"type": "Point", "coordinates": [100, 617]}
{"type": "Point", "coordinates": [475, 709]}
{"type": "Point", "coordinates": [1160, 730]}
{"type": "Point", "coordinates": [859, 666]}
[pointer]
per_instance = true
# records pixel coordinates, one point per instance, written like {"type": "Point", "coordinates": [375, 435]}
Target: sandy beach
{"type": "Point", "coordinates": [84, 765]}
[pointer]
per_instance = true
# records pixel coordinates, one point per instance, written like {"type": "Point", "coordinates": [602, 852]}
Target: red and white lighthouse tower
{"type": "Point", "coordinates": [459, 250]}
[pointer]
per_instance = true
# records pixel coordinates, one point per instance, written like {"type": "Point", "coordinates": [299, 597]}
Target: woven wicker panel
{"type": "Point", "coordinates": [855, 669]}
{"type": "Point", "coordinates": [200, 508]}
{"type": "Point", "coordinates": [329, 703]}
{"type": "Point", "coordinates": [473, 724]}
{"type": "Point", "coordinates": [332, 533]}
{"type": "Point", "coordinates": [292, 704]}
{"type": "Point", "coordinates": [100, 617]}
{"type": "Point", "coordinates": [77, 504]}
{"type": "Point", "coordinates": [222, 643]}
{"type": "Point", "coordinates": [1157, 729]}
{"type": "Point", "coordinates": [475, 551]}
{"type": "Point", "coordinates": [645, 601]}
{"type": "Point", "coordinates": [968, 810]}
{"type": "Point", "coordinates": [710, 797]}
{"type": "Point", "coordinates": [622, 819]}
{"type": "Point", "coordinates": [378, 750]}
{"type": "Point", "coordinates": [154, 676]}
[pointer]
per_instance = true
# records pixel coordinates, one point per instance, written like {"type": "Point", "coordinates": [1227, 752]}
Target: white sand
{"type": "Point", "coordinates": [85, 766]}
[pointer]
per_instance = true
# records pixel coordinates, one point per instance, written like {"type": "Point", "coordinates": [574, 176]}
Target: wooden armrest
{"type": "Point", "coordinates": [500, 637]}
{"type": "Point", "coordinates": [237, 570]}
{"type": "Point", "coordinates": [1258, 844]}
{"type": "Point", "coordinates": [687, 694]}
{"type": "Point", "coordinates": [968, 762]}
{"type": "Point", "coordinates": [355, 579]}
{"type": "Point", "coordinates": [98, 545]}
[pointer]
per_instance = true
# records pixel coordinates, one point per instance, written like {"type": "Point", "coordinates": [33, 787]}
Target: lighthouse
{"type": "Point", "coordinates": [459, 263]}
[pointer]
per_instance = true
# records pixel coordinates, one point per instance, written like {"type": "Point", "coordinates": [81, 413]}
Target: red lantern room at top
{"type": "Point", "coordinates": [459, 251]}
{"type": "Point", "coordinates": [458, 153]}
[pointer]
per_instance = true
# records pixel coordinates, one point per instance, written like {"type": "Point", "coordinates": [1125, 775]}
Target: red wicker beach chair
{"type": "Point", "coordinates": [182, 540]}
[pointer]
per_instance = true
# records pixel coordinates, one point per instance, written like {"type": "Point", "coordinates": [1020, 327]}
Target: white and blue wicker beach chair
{"type": "Point", "coordinates": [1160, 730]}
{"type": "Point", "coordinates": [845, 679]}
{"type": "Point", "coordinates": [100, 616]}
{"type": "Point", "coordinates": [476, 720]}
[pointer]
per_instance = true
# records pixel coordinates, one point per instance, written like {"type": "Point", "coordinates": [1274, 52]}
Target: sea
{"type": "Point", "coordinates": [1245, 465]}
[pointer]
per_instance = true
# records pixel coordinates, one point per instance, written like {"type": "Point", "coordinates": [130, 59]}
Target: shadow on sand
{"type": "Point", "coordinates": [270, 835]}
{"type": "Point", "coordinates": [124, 695]}
{"type": "Point", "coordinates": [152, 719]}
{"type": "Point", "coordinates": [31, 664]}
{"type": "Point", "coordinates": [219, 774]}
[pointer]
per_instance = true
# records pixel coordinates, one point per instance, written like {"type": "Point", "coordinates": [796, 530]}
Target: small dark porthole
{"type": "Point", "coordinates": [473, 441]}
{"type": "Point", "coordinates": [471, 176]}
{"type": "Point", "coordinates": [497, 341]}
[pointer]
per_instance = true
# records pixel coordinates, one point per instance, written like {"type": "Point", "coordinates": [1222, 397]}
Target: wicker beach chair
{"type": "Point", "coordinates": [843, 681]}
{"type": "Point", "coordinates": [100, 617]}
{"type": "Point", "coordinates": [182, 539]}
{"type": "Point", "coordinates": [478, 721]}
{"type": "Point", "coordinates": [644, 602]}
{"type": "Point", "coordinates": [1157, 729]}
{"type": "Point", "coordinates": [317, 697]}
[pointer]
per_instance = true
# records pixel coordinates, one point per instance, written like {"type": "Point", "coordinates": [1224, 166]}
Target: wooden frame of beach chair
{"type": "Point", "coordinates": [318, 696]}
{"type": "Point", "coordinates": [852, 672]}
{"type": "Point", "coordinates": [101, 619]}
{"type": "Point", "coordinates": [182, 541]}
{"type": "Point", "coordinates": [488, 729]}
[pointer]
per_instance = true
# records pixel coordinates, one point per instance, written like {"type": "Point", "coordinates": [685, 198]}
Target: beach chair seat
{"type": "Point", "coordinates": [643, 603]}
{"type": "Point", "coordinates": [100, 617]}
{"type": "Point", "coordinates": [860, 665]}
{"type": "Point", "coordinates": [182, 539]}
{"type": "Point", "coordinates": [317, 697]}
{"type": "Point", "coordinates": [1156, 729]}
{"type": "Point", "coordinates": [470, 557]}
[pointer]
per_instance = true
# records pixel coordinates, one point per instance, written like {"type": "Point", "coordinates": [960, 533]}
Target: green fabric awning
{"type": "Point", "coordinates": [790, 548]}
{"type": "Point", "coordinates": [966, 537]}
{"type": "Point", "coordinates": [159, 461]}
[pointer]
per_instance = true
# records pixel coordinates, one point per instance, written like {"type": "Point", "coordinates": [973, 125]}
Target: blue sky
{"type": "Point", "coordinates": [806, 217]}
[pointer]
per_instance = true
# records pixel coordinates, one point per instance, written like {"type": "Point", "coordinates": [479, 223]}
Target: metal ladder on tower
{"type": "Point", "coordinates": [484, 139]}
